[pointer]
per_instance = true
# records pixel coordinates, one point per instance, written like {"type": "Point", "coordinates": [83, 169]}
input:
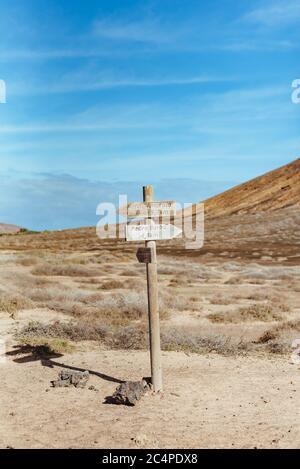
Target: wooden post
{"type": "Point", "coordinates": [154, 326]}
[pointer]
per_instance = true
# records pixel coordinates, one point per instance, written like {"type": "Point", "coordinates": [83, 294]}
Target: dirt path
{"type": "Point", "coordinates": [208, 402]}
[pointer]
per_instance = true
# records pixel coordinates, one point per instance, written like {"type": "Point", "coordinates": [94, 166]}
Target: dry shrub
{"type": "Point", "coordinates": [112, 285]}
{"type": "Point", "coordinates": [233, 281]}
{"type": "Point", "coordinates": [43, 346]}
{"type": "Point", "coordinates": [74, 331]}
{"type": "Point", "coordinates": [258, 296]}
{"type": "Point", "coordinates": [133, 284]}
{"type": "Point", "coordinates": [90, 281]}
{"type": "Point", "coordinates": [256, 312]}
{"type": "Point", "coordinates": [65, 270]}
{"type": "Point", "coordinates": [130, 273]}
{"type": "Point", "coordinates": [27, 281]}
{"type": "Point", "coordinates": [175, 282]}
{"type": "Point", "coordinates": [118, 308]}
{"type": "Point", "coordinates": [45, 295]}
{"type": "Point", "coordinates": [11, 304]}
{"type": "Point", "coordinates": [126, 284]}
{"type": "Point", "coordinates": [134, 337]}
{"type": "Point", "coordinates": [178, 340]}
{"type": "Point", "coordinates": [28, 261]}
{"type": "Point", "coordinates": [130, 337]}
{"type": "Point", "coordinates": [92, 299]}
{"type": "Point", "coordinates": [132, 305]}
{"type": "Point", "coordinates": [286, 329]}
{"type": "Point", "coordinates": [220, 300]}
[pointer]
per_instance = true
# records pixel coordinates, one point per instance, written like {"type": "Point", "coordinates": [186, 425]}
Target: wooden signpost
{"type": "Point", "coordinates": [150, 232]}
{"type": "Point", "coordinates": [151, 209]}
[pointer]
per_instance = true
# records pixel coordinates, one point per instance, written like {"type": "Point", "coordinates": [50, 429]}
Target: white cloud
{"type": "Point", "coordinates": [74, 83]}
{"type": "Point", "coordinates": [148, 30]}
{"type": "Point", "coordinates": [228, 108]}
{"type": "Point", "coordinates": [275, 13]}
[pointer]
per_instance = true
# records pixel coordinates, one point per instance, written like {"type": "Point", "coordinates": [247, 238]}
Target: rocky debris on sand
{"type": "Point", "coordinates": [67, 378]}
{"type": "Point", "coordinates": [93, 388]}
{"type": "Point", "coordinates": [130, 392]}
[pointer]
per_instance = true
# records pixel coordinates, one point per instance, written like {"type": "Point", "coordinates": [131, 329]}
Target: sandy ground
{"type": "Point", "coordinates": [208, 402]}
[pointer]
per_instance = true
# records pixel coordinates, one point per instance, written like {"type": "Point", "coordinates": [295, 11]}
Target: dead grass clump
{"type": "Point", "coordinates": [65, 270]}
{"type": "Point", "coordinates": [220, 300]}
{"type": "Point", "coordinates": [125, 338]}
{"type": "Point", "coordinates": [89, 281]}
{"type": "Point", "coordinates": [71, 308]}
{"type": "Point", "coordinates": [74, 331]}
{"type": "Point", "coordinates": [257, 296]}
{"type": "Point", "coordinates": [178, 340]}
{"type": "Point", "coordinates": [42, 346]}
{"type": "Point", "coordinates": [112, 285]}
{"type": "Point", "coordinates": [133, 337]}
{"type": "Point", "coordinates": [11, 304]}
{"type": "Point", "coordinates": [233, 281]}
{"type": "Point", "coordinates": [286, 329]}
{"type": "Point", "coordinates": [133, 284]}
{"type": "Point", "coordinates": [131, 305]}
{"type": "Point", "coordinates": [129, 338]}
{"type": "Point", "coordinates": [27, 261]}
{"type": "Point", "coordinates": [92, 299]}
{"type": "Point", "coordinates": [44, 295]}
{"type": "Point", "coordinates": [255, 312]}
{"type": "Point", "coordinates": [60, 337]}
{"type": "Point", "coordinates": [266, 337]}
{"type": "Point", "coordinates": [117, 309]}
{"type": "Point", "coordinates": [278, 348]}
{"type": "Point", "coordinates": [27, 281]}
{"type": "Point", "coordinates": [130, 273]}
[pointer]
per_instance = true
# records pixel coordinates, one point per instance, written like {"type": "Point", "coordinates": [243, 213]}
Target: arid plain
{"type": "Point", "coordinates": [230, 313]}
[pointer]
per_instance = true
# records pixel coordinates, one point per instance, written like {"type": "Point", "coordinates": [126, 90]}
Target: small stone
{"type": "Point", "coordinates": [92, 388]}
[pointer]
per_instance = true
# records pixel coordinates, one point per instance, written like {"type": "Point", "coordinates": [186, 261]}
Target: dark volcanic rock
{"type": "Point", "coordinates": [129, 393]}
{"type": "Point", "coordinates": [68, 378]}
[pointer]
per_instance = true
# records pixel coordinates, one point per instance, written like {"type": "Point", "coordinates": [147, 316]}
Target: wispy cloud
{"type": "Point", "coordinates": [148, 30]}
{"type": "Point", "coordinates": [229, 109]}
{"type": "Point", "coordinates": [82, 82]}
{"type": "Point", "coordinates": [9, 55]}
{"type": "Point", "coordinates": [121, 36]}
{"type": "Point", "coordinates": [275, 13]}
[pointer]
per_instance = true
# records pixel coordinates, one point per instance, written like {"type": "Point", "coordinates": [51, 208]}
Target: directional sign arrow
{"type": "Point", "coordinates": [151, 232]}
{"type": "Point", "coordinates": [149, 209]}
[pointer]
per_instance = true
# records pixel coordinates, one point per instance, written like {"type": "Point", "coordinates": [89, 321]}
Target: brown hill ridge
{"type": "Point", "coordinates": [272, 191]}
{"type": "Point", "coordinates": [9, 229]}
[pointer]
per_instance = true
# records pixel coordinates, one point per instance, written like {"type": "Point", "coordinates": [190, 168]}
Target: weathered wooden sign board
{"type": "Point", "coordinates": [151, 232]}
{"type": "Point", "coordinates": [152, 209]}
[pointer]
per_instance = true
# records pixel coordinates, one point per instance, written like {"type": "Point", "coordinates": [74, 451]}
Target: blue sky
{"type": "Point", "coordinates": [190, 95]}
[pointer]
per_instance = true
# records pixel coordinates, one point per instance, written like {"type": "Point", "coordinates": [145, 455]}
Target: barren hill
{"type": "Point", "coordinates": [258, 219]}
{"type": "Point", "coordinates": [9, 229]}
{"type": "Point", "coordinates": [272, 191]}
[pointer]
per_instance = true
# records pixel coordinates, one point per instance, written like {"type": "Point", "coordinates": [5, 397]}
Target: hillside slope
{"type": "Point", "coordinates": [9, 229]}
{"type": "Point", "coordinates": [272, 191]}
